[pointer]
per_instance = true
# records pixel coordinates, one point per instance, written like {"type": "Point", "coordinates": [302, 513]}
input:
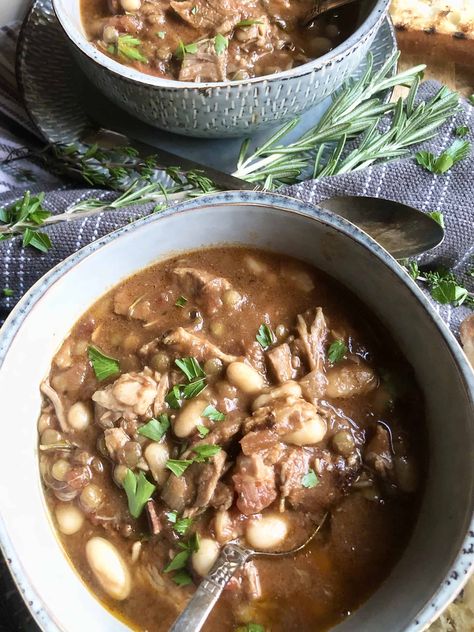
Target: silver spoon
{"type": "Point", "coordinates": [233, 556]}
{"type": "Point", "coordinates": [401, 229]}
{"type": "Point", "coordinates": [323, 6]}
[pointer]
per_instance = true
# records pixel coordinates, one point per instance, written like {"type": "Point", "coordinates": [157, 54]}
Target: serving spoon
{"type": "Point", "coordinates": [233, 557]}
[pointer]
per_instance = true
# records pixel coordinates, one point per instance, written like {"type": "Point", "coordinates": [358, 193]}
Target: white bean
{"type": "Point", "coordinates": [288, 389]}
{"type": "Point", "coordinates": [245, 378]}
{"type": "Point", "coordinates": [79, 416]}
{"type": "Point", "coordinates": [109, 568]}
{"type": "Point", "coordinates": [69, 518]}
{"type": "Point", "coordinates": [156, 455]}
{"type": "Point", "coordinates": [45, 421]}
{"type": "Point", "coordinates": [312, 431]}
{"type": "Point", "coordinates": [188, 418]}
{"type": "Point", "coordinates": [266, 533]}
{"type": "Point", "coordinates": [205, 557]}
{"type": "Point", "coordinates": [131, 5]}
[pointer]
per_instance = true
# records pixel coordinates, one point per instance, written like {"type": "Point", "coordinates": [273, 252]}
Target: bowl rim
{"type": "Point", "coordinates": [127, 73]}
{"type": "Point", "coordinates": [462, 566]}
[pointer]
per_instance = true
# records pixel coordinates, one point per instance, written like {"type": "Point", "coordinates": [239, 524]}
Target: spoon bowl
{"type": "Point", "coordinates": [233, 557]}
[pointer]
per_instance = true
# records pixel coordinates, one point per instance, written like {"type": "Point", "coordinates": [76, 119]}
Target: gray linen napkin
{"type": "Point", "coordinates": [452, 194]}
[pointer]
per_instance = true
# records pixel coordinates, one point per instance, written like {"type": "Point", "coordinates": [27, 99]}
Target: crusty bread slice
{"type": "Point", "coordinates": [449, 17]}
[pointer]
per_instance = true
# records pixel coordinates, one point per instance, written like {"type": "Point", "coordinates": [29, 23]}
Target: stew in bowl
{"type": "Point", "coordinates": [232, 393]}
{"type": "Point", "coordinates": [212, 40]}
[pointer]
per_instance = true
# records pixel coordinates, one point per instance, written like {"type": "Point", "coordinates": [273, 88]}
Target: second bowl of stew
{"type": "Point", "coordinates": [207, 68]}
{"type": "Point", "coordinates": [242, 368]}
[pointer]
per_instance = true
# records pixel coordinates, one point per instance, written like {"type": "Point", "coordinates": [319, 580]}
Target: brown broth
{"type": "Point", "coordinates": [365, 535]}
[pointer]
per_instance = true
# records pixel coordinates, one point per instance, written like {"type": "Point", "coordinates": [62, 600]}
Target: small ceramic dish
{"type": "Point", "coordinates": [439, 557]}
{"type": "Point", "coordinates": [231, 108]}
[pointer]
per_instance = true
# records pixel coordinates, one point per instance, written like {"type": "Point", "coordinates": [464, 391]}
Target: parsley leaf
{"type": "Point", "coordinates": [182, 578]}
{"type": "Point", "coordinates": [310, 479]}
{"type": "Point", "coordinates": [190, 367]}
{"type": "Point", "coordinates": [462, 131]}
{"type": "Point", "coordinates": [178, 466]}
{"type": "Point", "coordinates": [7, 291]}
{"type": "Point", "coordinates": [220, 43]}
{"type": "Point", "coordinates": [438, 217]}
{"type": "Point", "coordinates": [139, 490]}
{"type": "Point", "coordinates": [127, 46]}
{"type": "Point", "coordinates": [205, 452]}
{"type": "Point", "coordinates": [202, 431]}
{"type": "Point", "coordinates": [459, 150]}
{"type": "Point", "coordinates": [185, 49]}
{"type": "Point", "coordinates": [337, 351]}
{"type": "Point", "coordinates": [244, 23]}
{"type": "Point", "coordinates": [181, 301]}
{"type": "Point", "coordinates": [182, 525]}
{"type": "Point", "coordinates": [194, 10]}
{"type": "Point", "coordinates": [212, 413]}
{"type": "Point", "coordinates": [155, 428]}
{"type": "Point", "coordinates": [445, 288]}
{"type": "Point", "coordinates": [265, 336]}
{"type": "Point", "coordinates": [104, 366]}
{"type": "Point", "coordinates": [161, 34]}
{"type": "Point", "coordinates": [174, 398]}
{"type": "Point", "coordinates": [178, 562]}
{"type": "Point", "coordinates": [194, 388]}
{"type": "Point", "coordinates": [251, 627]}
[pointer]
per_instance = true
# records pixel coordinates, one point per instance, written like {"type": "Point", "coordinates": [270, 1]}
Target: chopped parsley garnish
{"type": "Point", "coordinates": [212, 413]}
{"type": "Point", "coordinates": [459, 150]}
{"type": "Point", "coordinates": [155, 428]}
{"type": "Point", "coordinates": [194, 10]}
{"type": "Point", "coordinates": [182, 525]}
{"type": "Point", "coordinates": [251, 627]}
{"type": "Point", "coordinates": [220, 43]}
{"type": "Point", "coordinates": [172, 516]}
{"type": "Point", "coordinates": [187, 548]}
{"type": "Point", "coordinates": [443, 285]}
{"type": "Point", "coordinates": [182, 578]}
{"type": "Point", "coordinates": [181, 301]}
{"type": "Point", "coordinates": [202, 430]}
{"type": "Point", "coordinates": [461, 131]}
{"type": "Point", "coordinates": [185, 49]}
{"type": "Point", "coordinates": [265, 336]}
{"type": "Point", "coordinates": [161, 34]}
{"type": "Point", "coordinates": [104, 366]}
{"type": "Point", "coordinates": [139, 490]}
{"type": "Point", "coordinates": [127, 46]}
{"type": "Point", "coordinates": [438, 217]}
{"type": "Point", "coordinates": [337, 351]}
{"type": "Point", "coordinates": [244, 23]}
{"type": "Point", "coordinates": [190, 367]}
{"type": "Point", "coordinates": [197, 382]}
{"type": "Point", "coordinates": [178, 466]}
{"type": "Point", "coordinates": [205, 452]}
{"type": "Point", "coordinates": [310, 479]}
{"type": "Point", "coordinates": [7, 291]}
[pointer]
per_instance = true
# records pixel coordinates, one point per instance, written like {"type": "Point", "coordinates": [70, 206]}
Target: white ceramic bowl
{"type": "Point", "coordinates": [220, 109]}
{"type": "Point", "coordinates": [440, 554]}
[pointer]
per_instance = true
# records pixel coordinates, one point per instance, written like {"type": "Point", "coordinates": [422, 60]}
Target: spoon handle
{"type": "Point", "coordinates": [327, 5]}
{"type": "Point", "coordinates": [193, 617]}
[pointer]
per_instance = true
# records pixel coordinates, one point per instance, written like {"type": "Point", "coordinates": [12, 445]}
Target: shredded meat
{"type": "Point", "coordinates": [131, 395]}
{"type": "Point", "coordinates": [294, 466]}
{"type": "Point", "coordinates": [58, 406]}
{"type": "Point", "coordinates": [269, 423]}
{"type": "Point", "coordinates": [254, 483]}
{"type": "Point", "coordinates": [251, 582]}
{"type": "Point", "coordinates": [207, 476]}
{"type": "Point", "coordinates": [314, 339]}
{"type": "Point", "coordinates": [190, 344]}
{"type": "Point", "coordinates": [209, 15]}
{"type": "Point", "coordinates": [178, 491]}
{"type": "Point", "coordinates": [378, 452]}
{"type": "Point", "coordinates": [154, 521]}
{"type": "Point", "coordinates": [115, 438]}
{"type": "Point", "coordinates": [203, 286]}
{"type": "Point", "coordinates": [223, 497]}
{"type": "Point", "coordinates": [161, 391]}
{"type": "Point", "coordinates": [125, 304]}
{"type": "Point", "coordinates": [279, 360]}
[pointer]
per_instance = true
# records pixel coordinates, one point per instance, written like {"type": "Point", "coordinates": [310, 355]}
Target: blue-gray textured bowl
{"type": "Point", "coordinates": [231, 108]}
{"type": "Point", "coordinates": [440, 555]}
